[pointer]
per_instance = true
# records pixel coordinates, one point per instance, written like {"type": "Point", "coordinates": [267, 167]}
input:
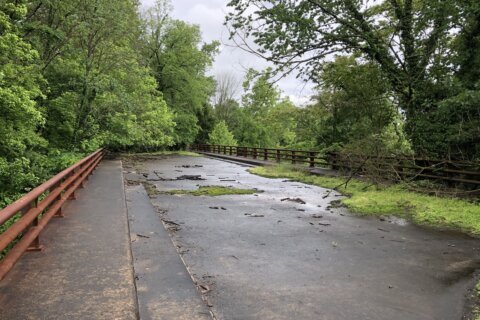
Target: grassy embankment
{"type": "Point", "coordinates": [396, 200]}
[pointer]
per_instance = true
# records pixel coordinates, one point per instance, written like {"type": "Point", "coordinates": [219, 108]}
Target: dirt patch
{"type": "Point", "coordinates": [152, 190]}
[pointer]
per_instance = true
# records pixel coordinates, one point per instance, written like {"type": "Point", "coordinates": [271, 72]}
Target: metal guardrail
{"type": "Point", "coordinates": [456, 173]}
{"type": "Point", "coordinates": [37, 208]}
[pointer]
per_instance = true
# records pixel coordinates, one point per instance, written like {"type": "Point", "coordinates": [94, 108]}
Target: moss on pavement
{"type": "Point", "coordinates": [365, 199]}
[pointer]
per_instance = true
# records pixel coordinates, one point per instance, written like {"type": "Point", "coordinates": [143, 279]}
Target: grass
{"type": "Point", "coordinates": [476, 307]}
{"type": "Point", "coordinates": [396, 200]}
{"type": "Point", "coordinates": [214, 191]}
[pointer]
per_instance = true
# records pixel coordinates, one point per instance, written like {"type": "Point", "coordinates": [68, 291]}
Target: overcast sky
{"type": "Point", "coordinates": [209, 15]}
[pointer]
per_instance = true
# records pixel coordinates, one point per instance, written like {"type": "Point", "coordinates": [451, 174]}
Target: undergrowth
{"type": "Point", "coordinates": [365, 199]}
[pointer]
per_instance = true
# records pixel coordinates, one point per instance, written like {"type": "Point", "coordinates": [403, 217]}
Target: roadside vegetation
{"type": "Point", "coordinates": [76, 76]}
{"type": "Point", "coordinates": [364, 198]}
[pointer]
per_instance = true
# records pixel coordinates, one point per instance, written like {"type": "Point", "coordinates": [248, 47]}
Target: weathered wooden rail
{"type": "Point", "coordinates": [463, 174]}
{"type": "Point", "coordinates": [312, 158]}
{"type": "Point", "coordinates": [29, 215]}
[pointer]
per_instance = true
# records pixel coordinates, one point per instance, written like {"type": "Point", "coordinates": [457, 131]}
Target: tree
{"type": "Point", "coordinates": [179, 61]}
{"type": "Point", "coordinates": [408, 40]}
{"type": "Point", "coordinates": [227, 87]}
{"type": "Point", "coordinates": [353, 105]}
{"type": "Point", "coordinates": [260, 95]}
{"type": "Point", "coordinates": [99, 94]}
{"type": "Point", "coordinates": [220, 135]}
{"type": "Point", "coordinates": [20, 117]}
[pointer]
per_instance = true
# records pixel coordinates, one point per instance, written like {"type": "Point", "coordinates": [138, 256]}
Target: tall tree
{"type": "Point", "coordinates": [20, 117]}
{"type": "Point", "coordinates": [409, 41]}
{"type": "Point", "coordinates": [99, 93]}
{"type": "Point", "coordinates": [179, 61]}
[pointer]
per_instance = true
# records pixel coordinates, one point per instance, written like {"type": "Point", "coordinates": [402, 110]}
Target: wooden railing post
{"type": "Point", "coordinates": [231, 150]}
{"type": "Point", "coordinates": [294, 157]}
{"type": "Point", "coordinates": [254, 153]}
{"type": "Point", "coordinates": [278, 155]}
{"type": "Point", "coordinates": [312, 159]}
{"type": "Point", "coordinates": [35, 245]}
{"type": "Point", "coordinates": [265, 154]}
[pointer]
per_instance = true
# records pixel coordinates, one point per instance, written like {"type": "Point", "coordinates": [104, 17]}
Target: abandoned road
{"type": "Point", "coordinates": [285, 252]}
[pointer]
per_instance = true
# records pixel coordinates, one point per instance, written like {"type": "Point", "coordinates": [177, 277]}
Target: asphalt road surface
{"type": "Point", "coordinates": [258, 257]}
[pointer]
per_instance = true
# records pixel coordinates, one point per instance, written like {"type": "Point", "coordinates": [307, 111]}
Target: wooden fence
{"type": "Point", "coordinates": [462, 174]}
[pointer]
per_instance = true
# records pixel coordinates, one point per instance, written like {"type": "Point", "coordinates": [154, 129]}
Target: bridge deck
{"type": "Point", "coordinates": [86, 270]}
{"type": "Point", "coordinates": [253, 256]}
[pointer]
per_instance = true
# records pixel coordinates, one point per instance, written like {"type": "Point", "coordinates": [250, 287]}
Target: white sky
{"type": "Point", "coordinates": [210, 15]}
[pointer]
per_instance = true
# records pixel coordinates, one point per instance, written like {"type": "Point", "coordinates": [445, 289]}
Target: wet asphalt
{"type": "Point", "coordinates": [263, 258]}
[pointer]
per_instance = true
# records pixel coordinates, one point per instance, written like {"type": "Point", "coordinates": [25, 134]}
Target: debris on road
{"type": "Point", "coordinates": [189, 166]}
{"type": "Point", "coordinates": [297, 200]}
{"type": "Point", "coordinates": [204, 288]}
{"type": "Point", "coordinates": [190, 177]}
{"type": "Point", "coordinates": [253, 215]}
{"type": "Point", "coordinates": [171, 222]}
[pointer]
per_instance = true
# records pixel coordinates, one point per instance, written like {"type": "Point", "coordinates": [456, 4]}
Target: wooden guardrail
{"type": "Point", "coordinates": [312, 158]}
{"type": "Point", "coordinates": [34, 210]}
{"type": "Point", "coordinates": [464, 174]}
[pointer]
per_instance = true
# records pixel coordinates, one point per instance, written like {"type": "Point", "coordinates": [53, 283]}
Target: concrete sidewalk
{"type": "Point", "coordinates": [85, 271]}
{"type": "Point", "coordinates": [165, 289]}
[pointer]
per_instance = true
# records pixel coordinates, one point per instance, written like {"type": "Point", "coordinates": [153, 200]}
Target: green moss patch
{"type": "Point", "coordinates": [396, 200]}
{"type": "Point", "coordinates": [214, 191]}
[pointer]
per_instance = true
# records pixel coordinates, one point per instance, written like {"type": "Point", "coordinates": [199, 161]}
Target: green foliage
{"type": "Point", "coordinates": [265, 118]}
{"type": "Point", "coordinates": [453, 126]}
{"type": "Point", "coordinates": [20, 82]}
{"type": "Point", "coordinates": [72, 79]}
{"type": "Point", "coordinates": [179, 60]}
{"type": "Point", "coordinates": [187, 129]}
{"type": "Point", "coordinates": [421, 48]}
{"type": "Point", "coordinates": [396, 200]}
{"type": "Point", "coordinates": [21, 118]}
{"type": "Point", "coordinates": [353, 104]}
{"type": "Point", "coordinates": [221, 135]}
{"type": "Point", "coordinates": [206, 121]}
{"type": "Point", "coordinates": [260, 96]}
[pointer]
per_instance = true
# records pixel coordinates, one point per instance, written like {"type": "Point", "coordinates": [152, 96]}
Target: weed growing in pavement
{"type": "Point", "coordinates": [214, 191]}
